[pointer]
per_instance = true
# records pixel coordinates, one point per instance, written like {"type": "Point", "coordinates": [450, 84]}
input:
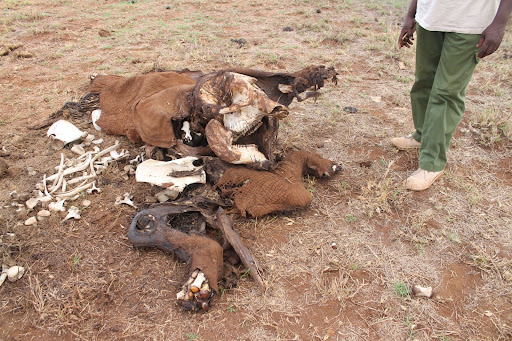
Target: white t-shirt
{"type": "Point", "coordinates": [460, 16]}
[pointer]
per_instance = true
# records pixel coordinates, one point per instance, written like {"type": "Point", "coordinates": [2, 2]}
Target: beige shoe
{"type": "Point", "coordinates": [405, 142]}
{"type": "Point", "coordinates": [421, 179]}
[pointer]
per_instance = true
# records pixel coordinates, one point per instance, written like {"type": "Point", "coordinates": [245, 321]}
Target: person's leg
{"type": "Point", "coordinates": [428, 53]}
{"type": "Point", "coordinates": [446, 103]}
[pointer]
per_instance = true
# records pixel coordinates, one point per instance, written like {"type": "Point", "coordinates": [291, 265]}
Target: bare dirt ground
{"type": "Point", "coordinates": [84, 280]}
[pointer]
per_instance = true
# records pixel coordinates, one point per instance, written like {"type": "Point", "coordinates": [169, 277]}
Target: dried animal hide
{"type": "Point", "coordinates": [143, 107]}
{"type": "Point", "coordinates": [153, 107]}
{"type": "Point", "coordinates": [261, 192]}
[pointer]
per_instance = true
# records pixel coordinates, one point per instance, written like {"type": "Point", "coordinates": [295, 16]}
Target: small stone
{"type": "Point", "coordinates": [167, 7]}
{"type": "Point", "coordinates": [318, 10]}
{"type": "Point", "coordinates": [351, 110]}
{"type": "Point", "coordinates": [104, 33]}
{"type": "Point", "coordinates": [31, 221]}
{"type": "Point", "coordinates": [86, 203]}
{"type": "Point", "coordinates": [287, 29]}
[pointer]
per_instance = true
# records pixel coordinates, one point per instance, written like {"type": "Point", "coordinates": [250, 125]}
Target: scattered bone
{"type": "Point", "coordinates": [3, 276]}
{"type": "Point", "coordinates": [125, 200]}
{"type": "Point", "coordinates": [95, 116]}
{"type": "Point", "coordinates": [94, 189]}
{"type": "Point", "coordinates": [31, 221]}
{"type": "Point", "coordinates": [15, 272]}
{"type": "Point", "coordinates": [43, 214]}
{"type": "Point", "coordinates": [57, 206]}
{"type": "Point", "coordinates": [422, 291]}
{"type": "Point", "coordinates": [175, 175]}
{"type": "Point", "coordinates": [198, 282]}
{"type": "Point", "coordinates": [98, 141]}
{"type": "Point", "coordinates": [75, 191]}
{"type": "Point", "coordinates": [86, 203]}
{"type": "Point", "coordinates": [186, 131]}
{"type": "Point", "coordinates": [31, 203]}
{"type": "Point", "coordinates": [73, 213]}
{"type": "Point", "coordinates": [167, 194]}
{"type": "Point", "coordinates": [78, 149]}
{"type": "Point", "coordinates": [63, 132]}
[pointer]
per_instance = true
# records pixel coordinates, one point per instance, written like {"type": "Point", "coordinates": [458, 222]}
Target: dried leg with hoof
{"type": "Point", "coordinates": [196, 293]}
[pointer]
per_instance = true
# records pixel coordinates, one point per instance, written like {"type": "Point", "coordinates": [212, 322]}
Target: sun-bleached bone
{"type": "Point", "coordinates": [95, 116]}
{"type": "Point", "coordinates": [78, 149]}
{"type": "Point", "coordinates": [57, 206]}
{"type": "Point", "coordinates": [422, 291]}
{"type": "Point", "coordinates": [174, 175]}
{"type": "Point", "coordinates": [125, 200]}
{"type": "Point", "coordinates": [63, 132]}
{"type": "Point", "coordinates": [73, 213]}
{"type": "Point", "coordinates": [15, 272]}
{"type": "Point", "coordinates": [94, 189]}
{"type": "Point", "coordinates": [167, 194]}
{"type": "Point", "coordinates": [186, 130]}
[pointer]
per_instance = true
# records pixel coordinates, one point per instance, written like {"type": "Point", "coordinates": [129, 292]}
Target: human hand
{"type": "Point", "coordinates": [407, 34]}
{"type": "Point", "coordinates": [490, 40]}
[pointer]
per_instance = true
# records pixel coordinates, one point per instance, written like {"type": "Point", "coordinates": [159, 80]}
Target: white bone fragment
{"type": "Point", "coordinates": [98, 141]}
{"type": "Point", "coordinates": [3, 276]}
{"type": "Point", "coordinates": [422, 291]}
{"type": "Point", "coordinates": [125, 200]}
{"type": "Point", "coordinates": [167, 194]}
{"type": "Point", "coordinates": [198, 282]}
{"type": "Point", "coordinates": [86, 203]}
{"type": "Point", "coordinates": [94, 189]}
{"type": "Point", "coordinates": [75, 191]}
{"type": "Point", "coordinates": [95, 116]}
{"type": "Point", "coordinates": [182, 295]}
{"type": "Point", "coordinates": [31, 203]}
{"type": "Point", "coordinates": [81, 178]}
{"type": "Point", "coordinates": [43, 214]}
{"type": "Point", "coordinates": [186, 129]}
{"type": "Point", "coordinates": [63, 132]}
{"type": "Point", "coordinates": [248, 153]}
{"type": "Point", "coordinates": [15, 272]}
{"type": "Point", "coordinates": [78, 149]}
{"type": "Point", "coordinates": [103, 152]}
{"type": "Point", "coordinates": [57, 206]}
{"type": "Point", "coordinates": [88, 140]}
{"type": "Point", "coordinates": [160, 173]}
{"type": "Point", "coordinates": [73, 213]}
{"type": "Point", "coordinates": [78, 168]}
{"type": "Point", "coordinates": [31, 221]}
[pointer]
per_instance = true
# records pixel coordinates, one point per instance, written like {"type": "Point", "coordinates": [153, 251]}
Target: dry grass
{"type": "Point", "coordinates": [84, 280]}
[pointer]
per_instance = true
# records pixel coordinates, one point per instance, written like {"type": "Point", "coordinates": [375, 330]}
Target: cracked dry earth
{"type": "Point", "coordinates": [339, 270]}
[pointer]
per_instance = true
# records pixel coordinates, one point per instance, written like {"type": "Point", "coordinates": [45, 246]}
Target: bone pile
{"type": "Point", "coordinates": [195, 294]}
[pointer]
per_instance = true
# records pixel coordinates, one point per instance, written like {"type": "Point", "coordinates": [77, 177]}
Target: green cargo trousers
{"type": "Point", "coordinates": [445, 62]}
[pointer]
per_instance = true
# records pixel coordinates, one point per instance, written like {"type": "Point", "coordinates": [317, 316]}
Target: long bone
{"type": "Point", "coordinates": [100, 154]}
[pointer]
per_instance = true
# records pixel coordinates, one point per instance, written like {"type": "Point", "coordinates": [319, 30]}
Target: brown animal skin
{"type": "Point", "coordinates": [260, 192]}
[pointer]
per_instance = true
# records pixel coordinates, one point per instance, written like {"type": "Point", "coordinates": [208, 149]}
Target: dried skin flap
{"type": "Point", "coordinates": [175, 175]}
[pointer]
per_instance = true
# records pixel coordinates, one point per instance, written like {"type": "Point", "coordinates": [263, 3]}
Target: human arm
{"type": "Point", "coordinates": [493, 35]}
{"type": "Point", "coordinates": [409, 26]}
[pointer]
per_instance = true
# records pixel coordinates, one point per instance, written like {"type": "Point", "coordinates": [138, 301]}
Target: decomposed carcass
{"type": "Point", "coordinates": [175, 109]}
